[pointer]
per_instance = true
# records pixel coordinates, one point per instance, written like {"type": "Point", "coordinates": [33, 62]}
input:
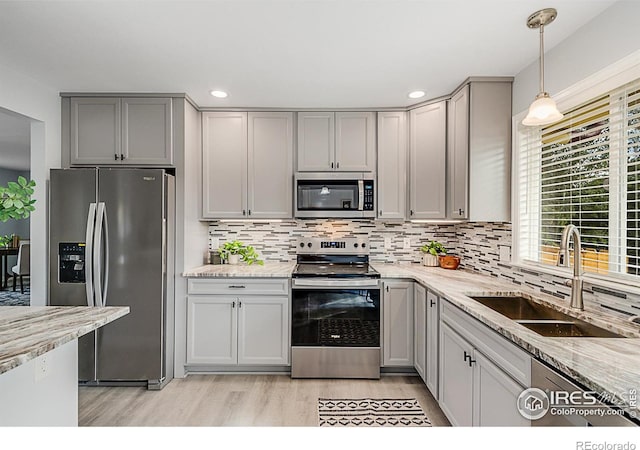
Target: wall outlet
{"type": "Point", "coordinates": [387, 243]}
{"type": "Point", "coordinates": [42, 367]}
{"type": "Point", "coordinates": [505, 253]}
{"type": "Point", "coordinates": [407, 243]}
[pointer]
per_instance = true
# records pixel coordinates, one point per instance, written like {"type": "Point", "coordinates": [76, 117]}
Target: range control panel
{"type": "Point", "coordinates": [332, 247]}
{"type": "Point", "coordinates": [71, 262]}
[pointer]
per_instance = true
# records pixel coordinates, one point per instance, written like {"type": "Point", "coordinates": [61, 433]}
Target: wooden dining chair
{"type": "Point", "coordinates": [22, 268]}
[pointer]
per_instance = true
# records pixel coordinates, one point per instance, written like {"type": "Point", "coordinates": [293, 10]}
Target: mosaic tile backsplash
{"type": "Point", "coordinates": [478, 245]}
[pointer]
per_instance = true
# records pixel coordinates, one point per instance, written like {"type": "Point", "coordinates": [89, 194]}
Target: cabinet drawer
{"type": "Point", "coordinates": [508, 356]}
{"type": "Point", "coordinates": [239, 286]}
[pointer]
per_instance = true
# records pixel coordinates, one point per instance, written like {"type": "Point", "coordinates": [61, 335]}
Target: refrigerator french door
{"type": "Point", "coordinates": [111, 245]}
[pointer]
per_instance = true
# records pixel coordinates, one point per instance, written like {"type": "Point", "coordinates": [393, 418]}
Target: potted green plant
{"type": "Point", "coordinates": [15, 199]}
{"type": "Point", "coordinates": [232, 251]}
{"type": "Point", "coordinates": [431, 253]}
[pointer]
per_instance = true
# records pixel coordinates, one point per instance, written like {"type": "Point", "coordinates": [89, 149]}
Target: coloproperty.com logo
{"type": "Point", "coordinates": [534, 403]}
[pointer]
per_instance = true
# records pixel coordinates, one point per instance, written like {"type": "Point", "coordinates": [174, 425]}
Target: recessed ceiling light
{"type": "Point", "coordinates": [219, 94]}
{"type": "Point", "coordinates": [416, 94]}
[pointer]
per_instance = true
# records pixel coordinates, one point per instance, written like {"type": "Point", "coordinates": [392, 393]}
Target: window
{"type": "Point", "coordinates": [584, 170]}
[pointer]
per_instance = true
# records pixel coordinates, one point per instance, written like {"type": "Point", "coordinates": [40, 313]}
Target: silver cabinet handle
{"type": "Point", "coordinates": [88, 254]}
{"type": "Point", "coordinates": [236, 286]}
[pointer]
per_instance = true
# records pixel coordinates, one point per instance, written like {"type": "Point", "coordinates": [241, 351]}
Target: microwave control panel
{"type": "Point", "coordinates": [71, 262]}
{"type": "Point", "coordinates": [368, 195]}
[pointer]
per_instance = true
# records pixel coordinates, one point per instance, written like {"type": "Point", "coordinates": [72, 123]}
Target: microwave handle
{"type": "Point", "coordinates": [360, 195]}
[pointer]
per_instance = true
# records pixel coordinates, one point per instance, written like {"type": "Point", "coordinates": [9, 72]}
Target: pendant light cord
{"type": "Point", "coordinates": [541, 58]}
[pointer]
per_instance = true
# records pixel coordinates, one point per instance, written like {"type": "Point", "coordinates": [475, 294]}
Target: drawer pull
{"type": "Point", "coordinates": [431, 303]}
{"type": "Point", "coordinates": [237, 286]}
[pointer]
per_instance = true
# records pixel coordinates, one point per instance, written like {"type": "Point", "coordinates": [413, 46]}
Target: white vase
{"type": "Point", "coordinates": [234, 259]}
{"type": "Point", "coordinates": [430, 260]}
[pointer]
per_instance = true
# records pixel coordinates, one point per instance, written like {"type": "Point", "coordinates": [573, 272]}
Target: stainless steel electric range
{"type": "Point", "coordinates": [335, 311]}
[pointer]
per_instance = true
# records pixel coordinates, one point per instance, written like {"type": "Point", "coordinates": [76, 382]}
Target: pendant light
{"type": "Point", "coordinates": [543, 110]}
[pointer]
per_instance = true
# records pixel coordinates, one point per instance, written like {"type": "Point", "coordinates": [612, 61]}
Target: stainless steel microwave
{"type": "Point", "coordinates": [335, 195]}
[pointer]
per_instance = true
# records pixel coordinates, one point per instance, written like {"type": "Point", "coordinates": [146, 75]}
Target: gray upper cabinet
{"type": "Point", "coordinates": [95, 130]}
{"type": "Point", "coordinates": [120, 131]}
{"type": "Point", "coordinates": [336, 141]}
{"type": "Point", "coordinates": [427, 168]}
{"type": "Point", "coordinates": [392, 165]}
{"type": "Point", "coordinates": [316, 141]}
{"type": "Point", "coordinates": [479, 129]}
{"type": "Point", "coordinates": [224, 165]}
{"type": "Point", "coordinates": [355, 141]}
{"type": "Point", "coordinates": [270, 188]}
{"type": "Point", "coordinates": [146, 131]}
{"type": "Point", "coordinates": [458, 155]}
{"type": "Point", "coordinates": [247, 165]}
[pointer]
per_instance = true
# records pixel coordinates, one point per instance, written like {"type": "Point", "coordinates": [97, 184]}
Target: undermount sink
{"type": "Point", "coordinates": [542, 319]}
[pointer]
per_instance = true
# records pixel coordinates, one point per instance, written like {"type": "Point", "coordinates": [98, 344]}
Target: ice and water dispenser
{"type": "Point", "coordinates": [71, 262]}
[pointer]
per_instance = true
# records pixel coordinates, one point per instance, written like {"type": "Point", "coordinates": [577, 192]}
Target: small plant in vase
{"type": "Point", "coordinates": [233, 251]}
{"type": "Point", "coordinates": [431, 253]}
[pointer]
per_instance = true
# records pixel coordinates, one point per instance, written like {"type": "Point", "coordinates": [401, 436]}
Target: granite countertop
{"type": "Point", "coordinates": [605, 365]}
{"type": "Point", "coordinates": [268, 270]}
{"type": "Point", "coordinates": [27, 332]}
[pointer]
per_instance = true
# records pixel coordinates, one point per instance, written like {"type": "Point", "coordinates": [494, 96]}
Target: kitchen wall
{"type": "Point", "coordinates": [27, 96]}
{"type": "Point", "coordinates": [276, 241]}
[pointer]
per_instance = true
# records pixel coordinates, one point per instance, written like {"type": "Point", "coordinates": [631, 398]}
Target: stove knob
{"type": "Point", "coordinates": [355, 245]}
{"type": "Point", "coordinates": [364, 245]}
{"type": "Point", "coordinates": [301, 244]}
{"type": "Point", "coordinates": [309, 245]}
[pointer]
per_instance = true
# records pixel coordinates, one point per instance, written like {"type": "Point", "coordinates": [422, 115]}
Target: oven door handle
{"type": "Point", "coordinates": [350, 284]}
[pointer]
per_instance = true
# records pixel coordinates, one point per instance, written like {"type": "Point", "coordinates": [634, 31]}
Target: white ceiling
{"type": "Point", "coordinates": [279, 53]}
{"type": "Point", "coordinates": [15, 141]}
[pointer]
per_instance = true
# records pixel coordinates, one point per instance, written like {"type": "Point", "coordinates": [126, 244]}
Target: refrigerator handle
{"type": "Point", "coordinates": [106, 256]}
{"type": "Point", "coordinates": [97, 253]}
{"type": "Point", "coordinates": [88, 253]}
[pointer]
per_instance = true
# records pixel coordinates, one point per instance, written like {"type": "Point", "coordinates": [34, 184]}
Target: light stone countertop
{"type": "Point", "coordinates": [605, 365]}
{"type": "Point", "coordinates": [268, 270]}
{"type": "Point", "coordinates": [27, 332]}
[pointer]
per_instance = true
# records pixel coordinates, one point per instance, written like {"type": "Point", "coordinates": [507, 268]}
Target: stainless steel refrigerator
{"type": "Point", "coordinates": [111, 244]}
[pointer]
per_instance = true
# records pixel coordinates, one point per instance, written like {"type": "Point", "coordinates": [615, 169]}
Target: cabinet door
{"type": "Point", "coordinates": [397, 324]}
{"type": "Point", "coordinates": [355, 141]}
{"type": "Point", "coordinates": [456, 377]}
{"type": "Point", "coordinates": [392, 165]}
{"type": "Point", "coordinates": [495, 396]}
{"type": "Point", "coordinates": [224, 165]}
{"type": "Point", "coordinates": [146, 131]}
{"type": "Point", "coordinates": [419, 329]}
{"type": "Point", "coordinates": [427, 174]}
{"type": "Point", "coordinates": [458, 154]}
{"type": "Point", "coordinates": [95, 130]}
{"type": "Point", "coordinates": [432, 335]}
{"type": "Point", "coordinates": [270, 163]}
{"type": "Point", "coordinates": [316, 141]}
{"type": "Point", "coordinates": [263, 330]}
{"type": "Point", "coordinates": [212, 335]}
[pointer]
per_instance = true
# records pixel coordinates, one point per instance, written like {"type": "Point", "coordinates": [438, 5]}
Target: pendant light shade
{"type": "Point", "coordinates": [543, 110]}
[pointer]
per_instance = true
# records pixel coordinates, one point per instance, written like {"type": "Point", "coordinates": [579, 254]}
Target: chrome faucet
{"type": "Point", "coordinates": [563, 260]}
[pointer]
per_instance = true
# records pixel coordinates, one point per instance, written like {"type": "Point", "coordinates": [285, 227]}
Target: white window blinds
{"type": "Point", "coordinates": [584, 170]}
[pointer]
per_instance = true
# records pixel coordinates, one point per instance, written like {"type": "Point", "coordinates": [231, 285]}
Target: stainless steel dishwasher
{"type": "Point", "coordinates": [552, 383]}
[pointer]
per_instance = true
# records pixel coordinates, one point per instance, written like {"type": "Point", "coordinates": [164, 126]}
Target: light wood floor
{"type": "Point", "coordinates": [239, 400]}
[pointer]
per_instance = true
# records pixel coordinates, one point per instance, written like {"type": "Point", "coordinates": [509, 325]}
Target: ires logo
{"type": "Point", "coordinates": [575, 398]}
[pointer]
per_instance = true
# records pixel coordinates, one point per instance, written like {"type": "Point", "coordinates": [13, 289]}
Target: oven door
{"type": "Point", "coordinates": [335, 313]}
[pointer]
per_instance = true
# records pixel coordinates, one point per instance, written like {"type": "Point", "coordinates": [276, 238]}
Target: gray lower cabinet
{"type": "Point", "coordinates": [397, 323]}
{"type": "Point", "coordinates": [481, 374]}
{"type": "Point", "coordinates": [428, 161]}
{"type": "Point", "coordinates": [392, 165]}
{"type": "Point", "coordinates": [135, 131]}
{"type": "Point", "coordinates": [247, 164]}
{"type": "Point", "coordinates": [432, 337]}
{"type": "Point", "coordinates": [420, 330]}
{"type": "Point", "coordinates": [238, 322]}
